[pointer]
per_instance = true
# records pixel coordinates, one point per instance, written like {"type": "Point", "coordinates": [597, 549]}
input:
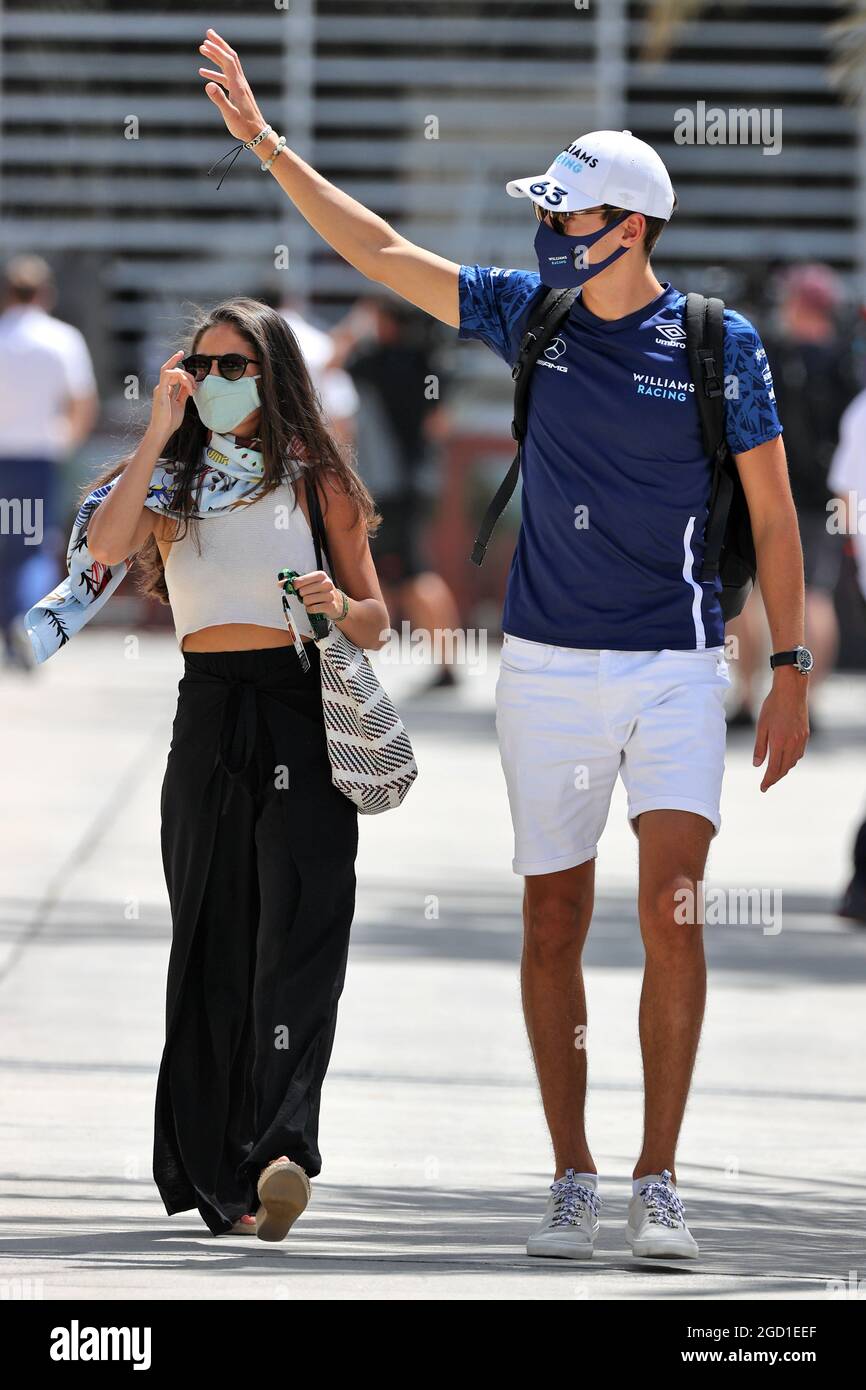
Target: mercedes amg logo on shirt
{"type": "Point", "coordinates": [554, 350]}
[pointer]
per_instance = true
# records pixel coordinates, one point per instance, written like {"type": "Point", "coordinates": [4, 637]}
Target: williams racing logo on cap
{"type": "Point", "coordinates": [577, 159]}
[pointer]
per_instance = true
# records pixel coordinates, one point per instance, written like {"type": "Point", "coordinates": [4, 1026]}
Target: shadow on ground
{"type": "Point", "coordinates": [482, 922]}
{"type": "Point", "coordinates": [764, 1243]}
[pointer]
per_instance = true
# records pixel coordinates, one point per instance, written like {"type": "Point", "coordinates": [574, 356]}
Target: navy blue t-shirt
{"type": "Point", "coordinates": [615, 480]}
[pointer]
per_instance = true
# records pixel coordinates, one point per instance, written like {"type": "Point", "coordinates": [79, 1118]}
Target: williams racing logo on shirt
{"type": "Point", "coordinates": [664, 388]}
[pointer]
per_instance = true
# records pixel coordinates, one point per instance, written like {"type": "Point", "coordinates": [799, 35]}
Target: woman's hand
{"type": "Point", "coordinates": [239, 108]}
{"type": "Point", "coordinates": [171, 393]}
{"type": "Point", "coordinates": [319, 593]}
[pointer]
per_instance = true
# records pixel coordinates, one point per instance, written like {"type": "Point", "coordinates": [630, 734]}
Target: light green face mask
{"type": "Point", "coordinates": [222, 404]}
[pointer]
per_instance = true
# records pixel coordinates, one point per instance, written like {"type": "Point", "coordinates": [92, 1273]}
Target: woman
{"type": "Point", "coordinates": [258, 845]}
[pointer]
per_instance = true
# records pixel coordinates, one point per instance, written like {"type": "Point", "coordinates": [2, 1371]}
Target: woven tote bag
{"type": "Point", "coordinates": [372, 761]}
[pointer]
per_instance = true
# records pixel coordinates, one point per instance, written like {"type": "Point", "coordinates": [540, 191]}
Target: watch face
{"type": "Point", "coordinates": [805, 659]}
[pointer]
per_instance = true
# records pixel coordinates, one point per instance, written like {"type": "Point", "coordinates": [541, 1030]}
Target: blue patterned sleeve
{"type": "Point", "coordinates": [494, 304]}
{"type": "Point", "coordinates": [750, 401]}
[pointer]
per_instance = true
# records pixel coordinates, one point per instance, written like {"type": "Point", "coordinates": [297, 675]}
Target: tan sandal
{"type": "Point", "coordinates": [284, 1191]}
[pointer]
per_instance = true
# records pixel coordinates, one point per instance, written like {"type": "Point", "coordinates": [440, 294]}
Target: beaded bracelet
{"type": "Point", "coordinates": [281, 145]}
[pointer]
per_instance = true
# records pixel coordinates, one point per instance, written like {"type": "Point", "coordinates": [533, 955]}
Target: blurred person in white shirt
{"type": "Point", "coordinates": [847, 479]}
{"type": "Point", "coordinates": [48, 406]}
{"type": "Point", "coordinates": [334, 385]}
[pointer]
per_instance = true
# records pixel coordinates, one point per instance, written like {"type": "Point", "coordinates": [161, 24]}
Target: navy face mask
{"type": "Point", "coordinates": [562, 260]}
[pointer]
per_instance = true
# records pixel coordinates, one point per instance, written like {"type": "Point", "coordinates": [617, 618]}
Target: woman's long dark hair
{"type": "Point", "coordinates": [291, 426]}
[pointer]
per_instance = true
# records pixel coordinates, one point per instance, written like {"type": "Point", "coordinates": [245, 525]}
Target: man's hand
{"type": "Point", "coordinates": [783, 725]}
{"type": "Point", "coordinates": [239, 108]}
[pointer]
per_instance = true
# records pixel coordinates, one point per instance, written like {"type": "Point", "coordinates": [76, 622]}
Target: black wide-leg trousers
{"type": "Point", "coordinates": [259, 854]}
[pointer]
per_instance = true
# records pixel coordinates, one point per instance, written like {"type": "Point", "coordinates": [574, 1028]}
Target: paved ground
{"type": "Point", "coordinates": [436, 1158]}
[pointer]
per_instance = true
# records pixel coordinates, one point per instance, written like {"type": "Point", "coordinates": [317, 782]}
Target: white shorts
{"type": "Point", "coordinates": [569, 719]}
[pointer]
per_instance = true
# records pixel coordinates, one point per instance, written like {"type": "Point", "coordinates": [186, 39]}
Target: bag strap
{"type": "Point", "coordinates": [546, 317]}
{"type": "Point", "coordinates": [705, 342]}
{"type": "Point", "coordinates": [317, 527]}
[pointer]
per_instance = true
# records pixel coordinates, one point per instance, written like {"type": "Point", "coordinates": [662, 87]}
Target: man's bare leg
{"type": "Point", "coordinates": [557, 909]}
{"type": "Point", "coordinates": [673, 853]}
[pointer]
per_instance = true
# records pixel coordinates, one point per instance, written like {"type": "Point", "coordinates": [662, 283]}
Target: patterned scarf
{"type": "Point", "coordinates": [232, 475]}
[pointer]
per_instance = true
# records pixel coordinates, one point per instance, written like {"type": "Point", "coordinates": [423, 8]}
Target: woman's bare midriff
{"type": "Point", "coordinates": [236, 637]}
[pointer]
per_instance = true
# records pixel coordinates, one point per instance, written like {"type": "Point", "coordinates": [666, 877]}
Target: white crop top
{"type": "Point", "coordinates": [234, 578]}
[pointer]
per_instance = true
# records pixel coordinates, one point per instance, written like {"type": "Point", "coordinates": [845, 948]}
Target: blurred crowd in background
{"type": "Point", "coordinates": [383, 376]}
{"type": "Point", "coordinates": [384, 392]}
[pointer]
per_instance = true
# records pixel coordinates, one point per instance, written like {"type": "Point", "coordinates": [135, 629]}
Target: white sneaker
{"type": "Point", "coordinates": [568, 1229]}
{"type": "Point", "coordinates": [657, 1223]}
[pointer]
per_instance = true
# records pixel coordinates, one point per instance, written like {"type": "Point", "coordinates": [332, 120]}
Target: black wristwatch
{"type": "Point", "coordinates": [800, 657]}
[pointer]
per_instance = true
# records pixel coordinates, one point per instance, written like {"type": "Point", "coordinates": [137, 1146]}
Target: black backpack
{"type": "Point", "coordinates": [729, 549]}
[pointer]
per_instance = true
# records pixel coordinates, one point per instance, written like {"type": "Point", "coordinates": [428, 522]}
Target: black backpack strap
{"type": "Point", "coordinates": [546, 317]}
{"type": "Point", "coordinates": [705, 341]}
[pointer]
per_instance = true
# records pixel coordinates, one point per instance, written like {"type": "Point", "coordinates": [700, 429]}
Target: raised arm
{"type": "Point", "coordinates": [362, 238]}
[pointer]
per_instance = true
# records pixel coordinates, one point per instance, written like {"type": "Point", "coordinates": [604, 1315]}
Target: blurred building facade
{"type": "Point", "coordinates": [422, 111]}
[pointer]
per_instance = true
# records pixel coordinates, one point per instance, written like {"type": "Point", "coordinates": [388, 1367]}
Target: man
{"type": "Point", "coordinates": [847, 479]}
{"type": "Point", "coordinates": [48, 405]}
{"type": "Point", "coordinates": [814, 379]}
{"type": "Point", "coordinates": [613, 650]}
{"type": "Point", "coordinates": [393, 366]}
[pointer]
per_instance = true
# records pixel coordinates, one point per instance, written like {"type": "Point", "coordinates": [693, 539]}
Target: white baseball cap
{"type": "Point", "coordinates": [606, 166]}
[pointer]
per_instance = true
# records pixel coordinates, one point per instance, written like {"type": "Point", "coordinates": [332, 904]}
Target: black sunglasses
{"type": "Point", "coordinates": [231, 365]}
{"type": "Point", "coordinates": [559, 220]}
